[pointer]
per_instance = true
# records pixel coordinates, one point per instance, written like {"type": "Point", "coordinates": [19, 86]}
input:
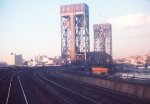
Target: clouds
{"type": "Point", "coordinates": [130, 21]}
{"type": "Point", "coordinates": [131, 34]}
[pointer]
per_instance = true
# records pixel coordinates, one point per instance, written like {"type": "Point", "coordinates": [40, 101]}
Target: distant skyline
{"type": "Point", "coordinates": [32, 27]}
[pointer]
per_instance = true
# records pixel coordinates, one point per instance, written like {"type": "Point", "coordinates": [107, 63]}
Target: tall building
{"type": "Point", "coordinates": [75, 40]}
{"type": "Point", "coordinates": [14, 59]}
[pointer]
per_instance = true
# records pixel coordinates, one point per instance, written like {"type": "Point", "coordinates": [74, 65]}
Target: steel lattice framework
{"type": "Point", "coordinates": [74, 33]}
{"type": "Point", "coordinates": [103, 41]}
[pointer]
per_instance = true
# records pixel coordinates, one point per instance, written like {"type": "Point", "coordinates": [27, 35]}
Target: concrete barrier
{"type": "Point", "coordinates": [137, 90]}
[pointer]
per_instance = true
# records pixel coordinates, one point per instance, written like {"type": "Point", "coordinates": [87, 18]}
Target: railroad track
{"type": "Point", "coordinates": [71, 95]}
{"type": "Point", "coordinates": [111, 95]}
{"type": "Point", "coordinates": [45, 86]}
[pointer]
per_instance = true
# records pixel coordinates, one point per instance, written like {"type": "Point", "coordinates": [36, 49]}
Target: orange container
{"type": "Point", "coordinates": [99, 70]}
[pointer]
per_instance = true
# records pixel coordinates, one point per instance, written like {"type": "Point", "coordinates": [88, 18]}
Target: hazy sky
{"type": "Point", "coordinates": [32, 27]}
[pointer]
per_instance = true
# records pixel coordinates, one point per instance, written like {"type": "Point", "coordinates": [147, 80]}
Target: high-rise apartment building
{"type": "Point", "coordinates": [14, 59]}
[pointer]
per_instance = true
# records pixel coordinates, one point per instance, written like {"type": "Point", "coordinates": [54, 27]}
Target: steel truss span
{"type": "Point", "coordinates": [75, 41]}
{"type": "Point", "coordinates": [103, 42]}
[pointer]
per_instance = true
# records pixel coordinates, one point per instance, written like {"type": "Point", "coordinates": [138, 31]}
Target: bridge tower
{"type": "Point", "coordinates": [103, 42]}
{"type": "Point", "coordinates": [75, 41]}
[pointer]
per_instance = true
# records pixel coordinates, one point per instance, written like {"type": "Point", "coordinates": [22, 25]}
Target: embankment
{"type": "Point", "coordinates": [133, 89]}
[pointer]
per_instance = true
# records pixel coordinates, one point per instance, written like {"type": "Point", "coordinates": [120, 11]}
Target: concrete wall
{"type": "Point", "coordinates": [137, 90]}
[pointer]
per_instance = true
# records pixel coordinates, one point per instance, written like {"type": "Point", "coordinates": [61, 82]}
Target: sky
{"type": "Point", "coordinates": [32, 27]}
